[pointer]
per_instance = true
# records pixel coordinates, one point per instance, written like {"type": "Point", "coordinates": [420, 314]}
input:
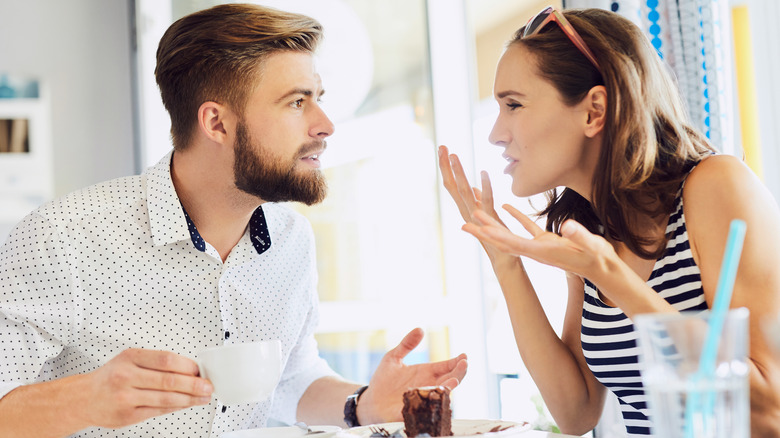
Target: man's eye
{"type": "Point", "coordinates": [297, 104]}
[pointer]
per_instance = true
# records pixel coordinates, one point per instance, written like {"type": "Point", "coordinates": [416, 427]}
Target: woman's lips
{"type": "Point", "coordinates": [512, 163]}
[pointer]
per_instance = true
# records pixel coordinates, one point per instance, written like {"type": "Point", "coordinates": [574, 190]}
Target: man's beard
{"type": "Point", "coordinates": [259, 173]}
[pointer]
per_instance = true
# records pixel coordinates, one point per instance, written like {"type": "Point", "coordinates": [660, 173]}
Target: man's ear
{"type": "Point", "coordinates": [596, 107]}
{"type": "Point", "coordinates": [214, 121]}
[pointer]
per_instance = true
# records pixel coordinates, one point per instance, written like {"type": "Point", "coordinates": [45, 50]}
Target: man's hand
{"type": "Point", "coordinates": [132, 387]}
{"type": "Point", "coordinates": [383, 400]}
{"type": "Point", "coordinates": [139, 384]}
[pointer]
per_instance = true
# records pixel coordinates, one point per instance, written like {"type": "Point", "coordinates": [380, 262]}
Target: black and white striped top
{"type": "Point", "coordinates": [608, 336]}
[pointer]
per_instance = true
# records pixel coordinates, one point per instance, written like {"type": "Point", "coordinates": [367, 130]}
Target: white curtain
{"type": "Point", "coordinates": [694, 38]}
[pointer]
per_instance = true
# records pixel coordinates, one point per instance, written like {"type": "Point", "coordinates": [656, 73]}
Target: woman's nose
{"type": "Point", "coordinates": [498, 136]}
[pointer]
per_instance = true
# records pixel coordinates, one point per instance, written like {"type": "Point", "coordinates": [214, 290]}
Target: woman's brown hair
{"type": "Point", "coordinates": [649, 145]}
{"type": "Point", "coordinates": [216, 55]}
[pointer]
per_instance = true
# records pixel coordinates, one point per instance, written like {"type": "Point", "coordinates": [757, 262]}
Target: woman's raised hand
{"type": "Point", "coordinates": [468, 199]}
{"type": "Point", "coordinates": [576, 250]}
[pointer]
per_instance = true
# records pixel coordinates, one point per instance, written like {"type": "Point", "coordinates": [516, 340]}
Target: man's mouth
{"type": "Point", "coordinates": [313, 159]}
{"type": "Point", "coordinates": [315, 156]}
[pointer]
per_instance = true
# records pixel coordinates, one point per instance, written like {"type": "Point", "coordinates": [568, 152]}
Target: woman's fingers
{"type": "Point", "coordinates": [477, 194]}
{"type": "Point", "coordinates": [498, 237]}
{"type": "Point", "coordinates": [582, 238]}
{"type": "Point", "coordinates": [524, 220]}
{"type": "Point", "coordinates": [464, 188]}
{"type": "Point", "coordinates": [486, 193]}
{"type": "Point", "coordinates": [489, 230]}
{"type": "Point", "coordinates": [468, 199]}
{"type": "Point", "coordinates": [482, 218]}
{"type": "Point", "coordinates": [447, 177]}
{"type": "Point", "coordinates": [450, 183]}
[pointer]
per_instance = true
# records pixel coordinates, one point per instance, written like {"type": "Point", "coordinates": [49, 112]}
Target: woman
{"type": "Point", "coordinates": [594, 111]}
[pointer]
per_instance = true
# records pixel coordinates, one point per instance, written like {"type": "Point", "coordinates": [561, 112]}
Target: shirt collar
{"type": "Point", "coordinates": [258, 232]}
{"type": "Point", "coordinates": [168, 221]}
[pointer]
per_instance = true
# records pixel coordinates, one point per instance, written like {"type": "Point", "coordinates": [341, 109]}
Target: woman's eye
{"type": "Point", "coordinates": [513, 106]}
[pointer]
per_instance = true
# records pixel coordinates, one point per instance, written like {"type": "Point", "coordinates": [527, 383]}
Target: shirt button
{"type": "Point", "coordinates": [227, 335]}
{"type": "Point", "coordinates": [224, 408]}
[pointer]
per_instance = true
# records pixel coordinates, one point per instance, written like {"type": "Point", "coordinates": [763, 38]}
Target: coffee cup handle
{"type": "Point", "coordinates": [202, 371]}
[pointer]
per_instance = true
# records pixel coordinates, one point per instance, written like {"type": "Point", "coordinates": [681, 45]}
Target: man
{"type": "Point", "coordinates": [108, 293]}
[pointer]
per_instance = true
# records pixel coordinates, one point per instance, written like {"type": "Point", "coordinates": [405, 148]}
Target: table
{"type": "Point", "coordinates": [540, 434]}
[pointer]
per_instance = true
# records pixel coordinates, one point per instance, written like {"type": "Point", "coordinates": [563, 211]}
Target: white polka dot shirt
{"type": "Point", "coordinates": [116, 266]}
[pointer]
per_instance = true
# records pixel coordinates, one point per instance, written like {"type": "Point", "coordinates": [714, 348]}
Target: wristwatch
{"type": "Point", "coordinates": [350, 408]}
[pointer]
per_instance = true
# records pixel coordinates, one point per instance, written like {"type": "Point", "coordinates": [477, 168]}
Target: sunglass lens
{"type": "Point", "coordinates": [534, 24]}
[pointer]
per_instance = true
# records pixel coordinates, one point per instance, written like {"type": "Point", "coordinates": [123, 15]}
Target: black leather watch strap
{"type": "Point", "coordinates": [350, 408]}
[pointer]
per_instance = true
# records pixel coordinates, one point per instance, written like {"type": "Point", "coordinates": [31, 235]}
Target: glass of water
{"type": "Point", "coordinates": [683, 402]}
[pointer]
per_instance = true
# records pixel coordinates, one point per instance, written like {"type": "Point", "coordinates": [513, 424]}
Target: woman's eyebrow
{"type": "Point", "coordinates": [504, 94]}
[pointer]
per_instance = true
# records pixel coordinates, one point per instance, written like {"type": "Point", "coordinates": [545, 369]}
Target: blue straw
{"type": "Point", "coordinates": [720, 308]}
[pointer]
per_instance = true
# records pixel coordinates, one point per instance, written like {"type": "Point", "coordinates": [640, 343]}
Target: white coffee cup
{"type": "Point", "coordinates": [242, 373]}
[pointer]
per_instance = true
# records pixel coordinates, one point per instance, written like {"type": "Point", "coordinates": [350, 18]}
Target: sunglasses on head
{"type": "Point", "coordinates": [548, 14]}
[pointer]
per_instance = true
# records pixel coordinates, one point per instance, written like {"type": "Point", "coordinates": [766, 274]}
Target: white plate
{"type": "Point", "coordinates": [460, 428]}
{"type": "Point", "coordinates": [282, 432]}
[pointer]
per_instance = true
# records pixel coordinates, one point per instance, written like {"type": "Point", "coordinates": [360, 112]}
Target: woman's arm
{"type": "Point", "coordinates": [573, 395]}
{"type": "Point", "coordinates": [557, 365]}
{"type": "Point", "coordinates": [720, 189]}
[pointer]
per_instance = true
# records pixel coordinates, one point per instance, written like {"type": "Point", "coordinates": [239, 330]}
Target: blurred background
{"type": "Point", "coordinates": [78, 105]}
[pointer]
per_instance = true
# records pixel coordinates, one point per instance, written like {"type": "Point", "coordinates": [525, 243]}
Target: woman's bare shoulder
{"type": "Point", "coordinates": [719, 189]}
{"type": "Point", "coordinates": [722, 182]}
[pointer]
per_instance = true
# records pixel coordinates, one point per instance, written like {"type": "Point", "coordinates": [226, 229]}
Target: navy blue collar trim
{"type": "Point", "coordinates": [258, 232]}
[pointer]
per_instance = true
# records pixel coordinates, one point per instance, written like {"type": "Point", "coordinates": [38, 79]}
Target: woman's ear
{"type": "Point", "coordinates": [214, 121]}
{"type": "Point", "coordinates": [596, 107]}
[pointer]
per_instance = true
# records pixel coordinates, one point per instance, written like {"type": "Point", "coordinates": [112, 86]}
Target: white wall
{"type": "Point", "coordinates": [81, 49]}
{"type": "Point", "coordinates": [765, 35]}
